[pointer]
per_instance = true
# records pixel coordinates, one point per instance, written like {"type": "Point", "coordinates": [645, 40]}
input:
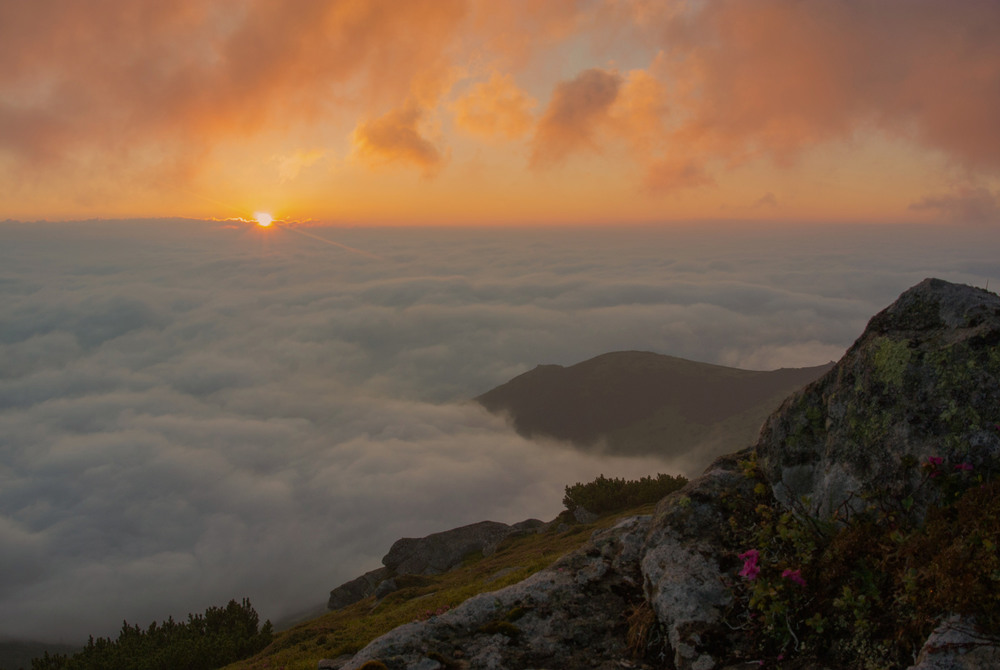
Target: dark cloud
{"type": "Point", "coordinates": [191, 414]}
{"type": "Point", "coordinates": [574, 116]}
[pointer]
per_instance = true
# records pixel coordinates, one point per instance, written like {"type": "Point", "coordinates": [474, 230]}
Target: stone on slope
{"type": "Point", "coordinates": [683, 561]}
{"type": "Point", "coordinates": [357, 589]}
{"type": "Point", "coordinates": [443, 551]}
{"type": "Point", "coordinates": [957, 644]}
{"type": "Point", "coordinates": [429, 555]}
{"type": "Point", "coordinates": [571, 615]}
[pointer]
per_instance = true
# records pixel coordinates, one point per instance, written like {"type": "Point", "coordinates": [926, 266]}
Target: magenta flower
{"type": "Point", "coordinates": [964, 466]}
{"type": "Point", "coordinates": [794, 575]}
{"type": "Point", "coordinates": [932, 464]}
{"type": "Point", "coordinates": [750, 568]}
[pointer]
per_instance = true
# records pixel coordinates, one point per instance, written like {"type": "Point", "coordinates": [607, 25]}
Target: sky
{"type": "Point", "coordinates": [480, 112]}
{"type": "Point", "coordinates": [195, 408]}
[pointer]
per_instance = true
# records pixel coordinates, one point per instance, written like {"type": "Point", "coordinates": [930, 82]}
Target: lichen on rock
{"type": "Point", "coordinates": [923, 380]}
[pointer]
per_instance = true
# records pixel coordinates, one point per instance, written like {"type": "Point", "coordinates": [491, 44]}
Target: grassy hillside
{"type": "Point", "coordinates": [635, 402]}
{"type": "Point", "coordinates": [348, 630]}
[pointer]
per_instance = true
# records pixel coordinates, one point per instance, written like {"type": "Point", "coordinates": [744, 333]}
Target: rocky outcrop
{"type": "Point", "coordinates": [357, 589]}
{"type": "Point", "coordinates": [923, 380]}
{"type": "Point", "coordinates": [431, 555]}
{"type": "Point", "coordinates": [920, 386]}
{"type": "Point", "coordinates": [571, 615]}
{"type": "Point", "coordinates": [683, 567]}
{"type": "Point", "coordinates": [957, 644]}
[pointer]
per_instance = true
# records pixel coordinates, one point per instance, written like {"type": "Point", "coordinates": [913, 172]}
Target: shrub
{"type": "Point", "coordinates": [605, 495]}
{"type": "Point", "coordinates": [205, 641]}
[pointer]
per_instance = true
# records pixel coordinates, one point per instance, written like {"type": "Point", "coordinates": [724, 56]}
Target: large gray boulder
{"type": "Point", "coordinates": [923, 380]}
{"type": "Point", "coordinates": [958, 644]}
{"type": "Point", "coordinates": [683, 561]}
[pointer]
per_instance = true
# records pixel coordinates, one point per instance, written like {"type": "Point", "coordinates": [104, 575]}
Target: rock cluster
{"type": "Point", "coordinates": [922, 381]}
{"type": "Point", "coordinates": [431, 555]}
{"type": "Point", "coordinates": [562, 617]}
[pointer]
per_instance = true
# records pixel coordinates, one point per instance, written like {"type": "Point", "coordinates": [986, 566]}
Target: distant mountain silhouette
{"type": "Point", "coordinates": [638, 402]}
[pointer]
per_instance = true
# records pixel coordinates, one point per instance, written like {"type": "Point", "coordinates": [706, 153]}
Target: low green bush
{"type": "Point", "coordinates": [205, 641]}
{"type": "Point", "coordinates": [607, 495]}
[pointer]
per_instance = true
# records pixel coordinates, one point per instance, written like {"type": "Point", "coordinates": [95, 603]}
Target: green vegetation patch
{"type": "Point", "coordinates": [608, 495]}
{"type": "Point", "coordinates": [348, 630]}
{"type": "Point", "coordinates": [865, 589]}
{"type": "Point", "coordinates": [205, 641]}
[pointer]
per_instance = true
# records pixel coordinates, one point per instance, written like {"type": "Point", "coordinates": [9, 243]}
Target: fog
{"type": "Point", "coordinates": [197, 411]}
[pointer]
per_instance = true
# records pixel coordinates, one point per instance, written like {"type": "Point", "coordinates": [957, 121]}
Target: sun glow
{"type": "Point", "coordinates": [263, 219]}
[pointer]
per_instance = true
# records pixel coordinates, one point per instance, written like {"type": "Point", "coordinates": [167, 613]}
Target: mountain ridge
{"type": "Point", "coordinates": [644, 403]}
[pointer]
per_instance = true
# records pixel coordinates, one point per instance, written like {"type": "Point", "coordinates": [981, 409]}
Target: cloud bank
{"type": "Point", "coordinates": [194, 412]}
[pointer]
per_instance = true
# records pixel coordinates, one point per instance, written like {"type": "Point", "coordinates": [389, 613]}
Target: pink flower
{"type": "Point", "coordinates": [794, 575]}
{"type": "Point", "coordinates": [750, 568]}
{"type": "Point", "coordinates": [932, 464]}
{"type": "Point", "coordinates": [964, 466]}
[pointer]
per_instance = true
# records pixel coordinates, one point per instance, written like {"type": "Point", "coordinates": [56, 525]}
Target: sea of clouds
{"type": "Point", "coordinates": [197, 411]}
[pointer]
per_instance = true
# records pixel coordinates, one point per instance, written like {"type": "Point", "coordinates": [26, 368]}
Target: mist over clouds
{"type": "Point", "coordinates": [192, 412]}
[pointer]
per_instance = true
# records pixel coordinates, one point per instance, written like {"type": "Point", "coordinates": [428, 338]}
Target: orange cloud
{"type": "Point", "coordinates": [149, 100]}
{"type": "Point", "coordinates": [395, 138]}
{"type": "Point", "coordinates": [578, 108]}
{"type": "Point", "coordinates": [775, 77]}
{"type": "Point", "coordinates": [496, 108]}
{"type": "Point", "coordinates": [121, 77]}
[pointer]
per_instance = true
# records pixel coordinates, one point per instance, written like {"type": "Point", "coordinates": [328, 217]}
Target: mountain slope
{"type": "Point", "coordinates": [637, 402]}
{"type": "Point", "coordinates": [859, 531]}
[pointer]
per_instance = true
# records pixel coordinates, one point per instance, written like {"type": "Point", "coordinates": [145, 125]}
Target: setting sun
{"type": "Point", "coordinates": [263, 219]}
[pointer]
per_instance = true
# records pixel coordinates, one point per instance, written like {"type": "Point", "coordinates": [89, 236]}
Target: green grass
{"type": "Point", "coordinates": [350, 629]}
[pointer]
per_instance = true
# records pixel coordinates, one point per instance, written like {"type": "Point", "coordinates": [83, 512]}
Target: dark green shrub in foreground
{"type": "Point", "coordinates": [604, 495]}
{"type": "Point", "coordinates": [864, 590]}
{"type": "Point", "coordinates": [204, 642]}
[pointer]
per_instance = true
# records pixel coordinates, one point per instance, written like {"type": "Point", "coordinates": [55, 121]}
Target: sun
{"type": "Point", "coordinates": [263, 219]}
